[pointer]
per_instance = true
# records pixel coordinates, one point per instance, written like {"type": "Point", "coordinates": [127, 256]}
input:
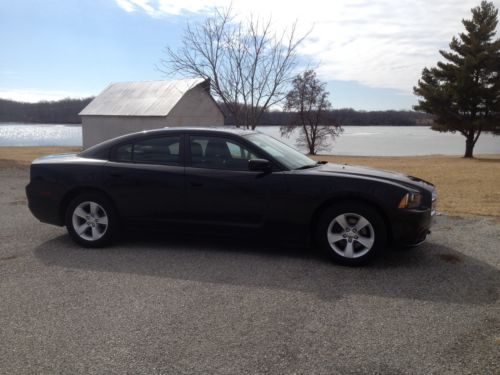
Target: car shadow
{"type": "Point", "coordinates": [431, 272]}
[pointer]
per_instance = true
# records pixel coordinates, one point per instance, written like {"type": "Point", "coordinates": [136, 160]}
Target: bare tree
{"type": "Point", "coordinates": [308, 101]}
{"type": "Point", "coordinates": [248, 63]}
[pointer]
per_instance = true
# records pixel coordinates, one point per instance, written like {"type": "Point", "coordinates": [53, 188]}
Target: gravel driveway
{"type": "Point", "coordinates": [185, 305]}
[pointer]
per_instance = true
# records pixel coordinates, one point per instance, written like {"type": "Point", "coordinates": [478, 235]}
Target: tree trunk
{"type": "Point", "coordinates": [312, 145]}
{"type": "Point", "coordinates": [469, 146]}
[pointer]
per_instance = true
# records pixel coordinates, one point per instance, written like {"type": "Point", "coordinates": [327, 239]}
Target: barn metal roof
{"type": "Point", "coordinates": [141, 98]}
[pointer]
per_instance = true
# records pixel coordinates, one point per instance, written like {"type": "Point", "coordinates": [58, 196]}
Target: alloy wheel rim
{"type": "Point", "coordinates": [350, 235]}
{"type": "Point", "coordinates": [90, 221]}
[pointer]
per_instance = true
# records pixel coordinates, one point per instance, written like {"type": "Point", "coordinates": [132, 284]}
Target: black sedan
{"type": "Point", "coordinates": [228, 178]}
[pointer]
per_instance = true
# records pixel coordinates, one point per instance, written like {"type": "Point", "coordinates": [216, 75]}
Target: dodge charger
{"type": "Point", "coordinates": [210, 178]}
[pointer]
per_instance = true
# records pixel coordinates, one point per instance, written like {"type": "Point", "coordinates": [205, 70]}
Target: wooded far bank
{"type": "Point", "coordinates": [66, 112]}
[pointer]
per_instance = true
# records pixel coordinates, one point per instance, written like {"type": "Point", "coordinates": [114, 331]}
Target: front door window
{"type": "Point", "coordinates": [219, 153]}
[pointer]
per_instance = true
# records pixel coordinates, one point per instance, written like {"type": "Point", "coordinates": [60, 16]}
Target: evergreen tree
{"type": "Point", "coordinates": [463, 93]}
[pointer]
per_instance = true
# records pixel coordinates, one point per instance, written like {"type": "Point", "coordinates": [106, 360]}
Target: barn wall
{"type": "Point", "coordinates": [96, 129]}
{"type": "Point", "coordinates": [196, 108]}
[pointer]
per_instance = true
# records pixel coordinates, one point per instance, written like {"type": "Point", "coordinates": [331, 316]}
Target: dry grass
{"type": "Point", "coordinates": [25, 155]}
{"type": "Point", "coordinates": [464, 186]}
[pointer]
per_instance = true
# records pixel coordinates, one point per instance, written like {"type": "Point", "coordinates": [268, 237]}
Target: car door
{"type": "Point", "coordinates": [146, 178]}
{"type": "Point", "coordinates": [220, 188]}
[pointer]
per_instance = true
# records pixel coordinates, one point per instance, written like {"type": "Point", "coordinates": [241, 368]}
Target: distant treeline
{"type": "Point", "coordinates": [55, 112]}
{"type": "Point", "coordinates": [349, 116]}
{"type": "Point", "coordinates": [66, 112]}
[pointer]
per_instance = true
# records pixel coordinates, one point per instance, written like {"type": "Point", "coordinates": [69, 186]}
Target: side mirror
{"type": "Point", "coordinates": [259, 165]}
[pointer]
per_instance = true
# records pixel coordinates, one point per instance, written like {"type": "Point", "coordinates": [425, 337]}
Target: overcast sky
{"type": "Point", "coordinates": [370, 52]}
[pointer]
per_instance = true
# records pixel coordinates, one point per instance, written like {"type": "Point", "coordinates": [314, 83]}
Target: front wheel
{"type": "Point", "coordinates": [351, 233]}
{"type": "Point", "coordinates": [91, 220]}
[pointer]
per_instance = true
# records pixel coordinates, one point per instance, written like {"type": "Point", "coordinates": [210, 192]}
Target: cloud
{"type": "Point", "coordinates": [36, 95]}
{"type": "Point", "coordinates": [126, 5]}
{"type": "Point", "coordinates": [378, 43]}
{"type": "Point", "coordinates": [165, 7]}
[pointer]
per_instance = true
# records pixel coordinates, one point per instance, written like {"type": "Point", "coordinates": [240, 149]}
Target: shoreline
{"type": "Point", "coordinates": [465, 186]}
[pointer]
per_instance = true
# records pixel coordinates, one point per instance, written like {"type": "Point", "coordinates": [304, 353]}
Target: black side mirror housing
{"type": "Point", "coordinates": [259, 165]}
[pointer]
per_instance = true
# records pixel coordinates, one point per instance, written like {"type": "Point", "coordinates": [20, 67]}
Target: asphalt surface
{"type": "Point", "coordinates": [187, 305]}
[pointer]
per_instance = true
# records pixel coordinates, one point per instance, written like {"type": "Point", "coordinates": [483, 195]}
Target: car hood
{"type": "Point", "coordinates": [381, 174]}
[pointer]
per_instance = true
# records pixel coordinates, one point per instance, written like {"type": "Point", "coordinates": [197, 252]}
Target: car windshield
{"type": "Point", "coordinates": [285, 154]}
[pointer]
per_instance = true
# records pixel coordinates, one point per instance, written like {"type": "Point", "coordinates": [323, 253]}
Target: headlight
{"type": "Point", "coordinates": [410, 200]}
{"type": "Point", "coordinates": [434, 202]}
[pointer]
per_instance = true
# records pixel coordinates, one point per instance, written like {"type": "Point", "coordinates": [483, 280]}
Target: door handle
{"type": "Point", "coordinates": [196, 184]}
{"type": "Point", "coordinates": [116, 175]}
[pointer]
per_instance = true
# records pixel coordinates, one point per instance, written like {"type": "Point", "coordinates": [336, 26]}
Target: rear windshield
{"type": "Point", "coordinates": [99, 151]}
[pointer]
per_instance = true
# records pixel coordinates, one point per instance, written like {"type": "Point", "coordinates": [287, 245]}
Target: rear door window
{"type": "Point", "coordinates": [162, 150]}
{"type": "Point", "coordinates": [123, 153]}
{"type": "Point", "coordinates": [159, 150]}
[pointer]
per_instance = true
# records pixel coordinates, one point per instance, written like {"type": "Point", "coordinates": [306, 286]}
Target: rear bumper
{"type": "Point", "coordinates": [411, 227]}
{"type": "Point", "coordinates": [43, 205]}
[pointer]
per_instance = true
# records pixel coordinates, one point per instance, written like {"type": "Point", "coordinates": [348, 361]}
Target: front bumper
{"type": "Point", "coordinates": [411, 227]}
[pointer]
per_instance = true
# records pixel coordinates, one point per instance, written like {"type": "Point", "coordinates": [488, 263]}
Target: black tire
{"type": "Point", "coordinates": [95, 233]}
{"type": "Point", "coordinates": [350, 247]}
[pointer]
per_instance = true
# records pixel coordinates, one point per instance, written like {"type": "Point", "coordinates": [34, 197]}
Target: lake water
{"type": "Point", "coordinates": [16, 134]}
{"type": "Point", "coordinates": [356, 140]}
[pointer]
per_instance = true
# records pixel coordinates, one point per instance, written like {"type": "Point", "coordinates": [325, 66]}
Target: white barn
{"type": "Point", "coordinates": [127, 107]}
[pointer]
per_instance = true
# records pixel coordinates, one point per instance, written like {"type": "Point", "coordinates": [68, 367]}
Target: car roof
{"type": "Point", "coordinates": [216, 129]}
{"type": "Point", "coordinates": [222, 129]}
{"type": "Point", "coordinates": [187, 129]}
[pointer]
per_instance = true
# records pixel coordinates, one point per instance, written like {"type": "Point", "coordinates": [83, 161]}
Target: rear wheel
{"type": "Point", "coordinates": [91, 220]}
{"type": "Point", "coordinates": [351, 233]}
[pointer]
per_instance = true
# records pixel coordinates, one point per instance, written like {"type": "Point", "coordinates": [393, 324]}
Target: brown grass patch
{"type": "Point", "coordinates": [465, 186]}
{"type": "Point", "coordinates": [12, 156]}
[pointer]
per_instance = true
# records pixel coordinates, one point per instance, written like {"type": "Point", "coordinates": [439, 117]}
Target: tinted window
{"type": "Point", "coordinates": [101, 154]}
{"type": "Point", "coordinates": [220, 153]}
{"type": "Point", "coordinates": [123, 153]}
{"type": "Point", "coordinates": [163, 150]}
